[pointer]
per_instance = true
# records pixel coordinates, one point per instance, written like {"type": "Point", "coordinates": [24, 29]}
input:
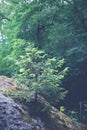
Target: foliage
{"type": "Point", "coordinates": [4, 63]}
{"type": "Point", "coordinates": [41, 73]}
{"type": "Point", "coordinates": [58, 27]}
{"type": "Point", "coordinates": [9, 53]}
{"type": "Point", "coordinates": [22, 95]}
{"type": "Point", "coordinates": [45, 23]}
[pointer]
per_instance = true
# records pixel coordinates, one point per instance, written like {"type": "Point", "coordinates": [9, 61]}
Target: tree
{"type": "Point", "coordinates": [41, 74]}
{"type": "Point", "coordinates": [44, 23]}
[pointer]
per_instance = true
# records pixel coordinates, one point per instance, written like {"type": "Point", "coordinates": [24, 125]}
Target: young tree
{"type": "Point", "coordinates": [41, 74]}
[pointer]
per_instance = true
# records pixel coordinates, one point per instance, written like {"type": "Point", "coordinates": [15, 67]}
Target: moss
{"type": "Point", "coordinates": [26, 118]}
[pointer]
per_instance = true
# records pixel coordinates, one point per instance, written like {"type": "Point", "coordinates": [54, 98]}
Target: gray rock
{"type": "Point", "coordinates": [11, 116]}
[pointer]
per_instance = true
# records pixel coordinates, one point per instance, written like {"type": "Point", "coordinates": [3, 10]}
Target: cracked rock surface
{"type": "Point", "coordinates": [12, 115]}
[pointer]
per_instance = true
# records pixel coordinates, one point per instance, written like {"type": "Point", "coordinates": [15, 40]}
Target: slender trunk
{"type": "Point", "coordinates": [36, 91]}
{"type": "Point", "coordinates": [38, 34]}
{"type": "Point", "coordinates": [2, 39]}
{"type": "Point", "coordinates": [36, 95]}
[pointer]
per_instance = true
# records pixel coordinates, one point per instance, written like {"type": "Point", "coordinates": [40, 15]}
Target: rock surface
{"type": "Point", "coordinates": [53, 118]}
{"type": "Point", "coordinates": [12, 115]}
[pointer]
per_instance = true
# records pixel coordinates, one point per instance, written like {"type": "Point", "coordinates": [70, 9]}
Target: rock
{"type": "Point", "coordinates": [54, 119]}
{"type": "Point", "coordinates": [8, 84]}
{"type": "Point", "coordinates": [12, 114]}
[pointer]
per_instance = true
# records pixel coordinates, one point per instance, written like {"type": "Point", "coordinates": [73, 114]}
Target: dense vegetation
{"type": "Point", "coordinates": [41, 41]}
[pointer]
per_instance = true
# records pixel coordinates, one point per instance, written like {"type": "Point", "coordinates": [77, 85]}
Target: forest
{"type": "Point", "coordinates": [43, 45]}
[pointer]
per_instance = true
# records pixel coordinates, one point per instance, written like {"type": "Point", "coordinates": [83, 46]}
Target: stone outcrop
{"type": "Point", "coordinates": [54, 119]}
{"type": "Point", "coordinates": [12, 115]}
{"type": "Point", "coordinates": [16, 116]}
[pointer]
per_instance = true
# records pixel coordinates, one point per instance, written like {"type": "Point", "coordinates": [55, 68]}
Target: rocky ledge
{"type": "Point", "coordinates": [12, 115]}
{"type": "Point", "coordinates": [17, 116]}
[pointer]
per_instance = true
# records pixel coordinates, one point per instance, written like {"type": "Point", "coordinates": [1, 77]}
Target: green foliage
{"type": "Point", "coordinates": [53, 26]}
{"type": "Point", "coordinates": [62, 108]}
{"type": "Point", "coordinates": [59, 28]}
{"type": "Point", "coordinates": [9, 53]}
{"type": "Point", "coordinates": [79, 113]}
{"type": "Point", "coordinates": [74, 115]}
{"type": "Point", "coordinates": [4, 63]}
{"type": "Point", "coordinates": [45, 23]}
{"type": "Point", "coordinates": [41, 73]}
{"type": "Point", "coordinates": [23, 95]}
